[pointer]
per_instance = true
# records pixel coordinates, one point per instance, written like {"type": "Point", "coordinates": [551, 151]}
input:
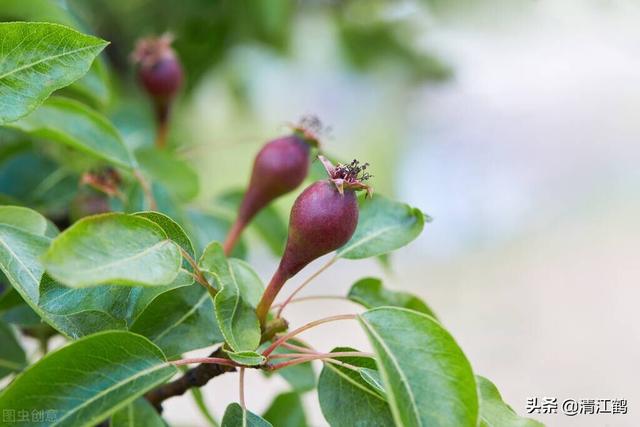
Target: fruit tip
{"type": "Point", "coordinates": [310, 128]}
{"type": "Point", "coordinates": [149, 50]}
{"type": "Point", "coordinates": [351, 176]}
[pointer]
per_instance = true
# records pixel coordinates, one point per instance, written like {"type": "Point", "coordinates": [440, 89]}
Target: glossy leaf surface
{"type": "Point", "coordinates": [113, 248]}
{"type": "Point", "coordinates": [38, 58]}
{"type": "Point", "coordinates": [346, 399]}
{"type": "Point", "coordinates": [286, 410]}
{"type": "Point", "coordinates": [236, 317]}
{"type": "Point", "coordinates": [87, 380]}
{"type": "Point", "coordinates": [138, 413]}
{"type": "Point", "coordinates": [370, 293]}
{"type": "Point", "coordinates": [180, 320]}
{"type": "Point", "coordinates": [494, 412]}
{"type": "Point", "coordinates": [427, 377]}
{"type": "Point", "coordinates": [234, 416]}
{"type": "Point", "coordinates": [12, 357]}
{"type": "Point", "coordinates": [383, 226]}
{"type": "Point", "coordinates": [73, 124]}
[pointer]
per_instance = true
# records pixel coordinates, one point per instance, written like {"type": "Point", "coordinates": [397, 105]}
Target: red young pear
{"type": "Point", "coordinates": [323, 218]}
{"type": "Point", "coordinates": [160, 72]}
{"type": "Point", "coordinates": [280, 167]}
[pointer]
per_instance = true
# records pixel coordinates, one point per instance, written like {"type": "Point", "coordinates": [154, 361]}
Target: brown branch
{"type": "Point", "coordinates": [195, 377]}
{"type": "Point", "coordinates": [201, 374]}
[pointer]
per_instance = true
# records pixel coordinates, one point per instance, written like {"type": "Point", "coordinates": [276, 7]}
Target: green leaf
{"type": "Point", "coordinates": [346, 399]}
{"type": "Point", "coordinates": [383, 226]}
{"type": "Point", "coordinates": [34, 10]}
{"type": "Point", "coordinates": [74, 124]}
{"type": "Point", "coordinates": [23, 218]}
{"type": "Point", "coordinates": [237, 320]}
{"type": "Point", "coordinates": [94, 86]}
{"type": "Point", "coordinates": [182, 182]}
{"type": "Point", "coordinates": [234, 416]}
{"type": "Point", "coordinates": [138, 413]}
{"type": "Point", "coordinates": [236, 317]}
{"type": "Point", "coordinates": [87, 380]}
{"type": "Point", "coordinates": [142, 296]}
{"type": "Point", "coordinates": [37, 59]}
{"type": "Point", "coordinates": [427, 377]}
{"type": "Point", "coordinates": [52, 230]}
{"type": "Point", "coordinates": [19, 259]}
{"type": "Point", "coordinates": [249, 283]}
{"type": "Point", "coordinates": [14, 310]}
{"type": "Point", "coordinates": [247, 358]}
{"type": "Point", "coordinates": [370, 293]}
{"type": "Point", "coordinates": [80, 312]}
{"type": "Point", "coordinates": [113, 248]}
{"type": "Point", "coordinates": [73, 312]}
{"type": "Point", "coordinates": [494, 412]}
{"type": "Point", "coordinates": [12, 357]}
{"type": "Point", "coordinates": [34, 180]}
{"type": "Point", "coordinates": [174, 232]}
{"type": "Point", "coordinates": [83, 311]}
{"type": "Point", "coordinates": [137, 201]}
{"type": "Point", "coordinates": [20, 253]}
{"type": "Point", "coordinates": [372, 377]}
{"type": "Point", "coordinates": [286, 410]}
{"type": "Point", "coordinates": [180, 320]}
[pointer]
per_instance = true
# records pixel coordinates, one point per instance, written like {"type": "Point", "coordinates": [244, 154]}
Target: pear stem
{"type": "Point", "coordinates": [305, 283]}
{"type": "Point", "coordinates": [303, 328]}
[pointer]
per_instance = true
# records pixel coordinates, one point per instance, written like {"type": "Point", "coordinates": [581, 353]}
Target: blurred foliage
{"type": "Point", "coordinates": [207, 31]}
{"type": "Point", "coordinates": [369, 34]}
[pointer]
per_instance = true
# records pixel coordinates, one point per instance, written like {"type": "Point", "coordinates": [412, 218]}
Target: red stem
{"type": "Point", "coordinates": [297, 348]}
{"type": "Point", "coordinates": [233, 236]}
{"type": "Point", "coordinates": [312, 298]}
{"type": "Point", "coordinates": [214, 360]}
{"type": "Point", "coordinates": [305, 283]}
{"type": "Point", "coordinates": [343, 364]}
{"type": "Point", "coordinates": [336, 354]}
{"type": "Point", "coordinates": [242, 402]}
{"type": "Point", "coordinates": [311, 357]}
{"type": "Point", "coordinates": [303, 328]}
{"type": "Point", "coordinates": [163, 111]}
{"type": "Point", "coordinates": [277, 281]}
{"type": "Point", "coordinates": [146, 189]}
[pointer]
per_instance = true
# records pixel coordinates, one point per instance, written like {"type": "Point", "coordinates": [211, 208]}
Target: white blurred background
{"type": "Point", "coordinates": [528, 160]}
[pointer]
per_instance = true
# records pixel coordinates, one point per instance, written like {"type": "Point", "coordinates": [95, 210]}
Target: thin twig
{"type": "Point", "coordinates": [310, 357]}
{"type": "Point", "coordinates": [341, 363]}
{"type": "Point", "coordinates": [197, 273]}
{"type": "Point", "coordinates": [233, 236]}
{"type": "Point", "coordinates": [297, 348]}
{"type": "Point", "coordinates": [305, 283]}
{"type": "Point", "coordinates": [334, 354]}
{"type": "Point", "coordinates": [312, 298]}
{"type": "Point", "coordinates": [303, 328]}
{"type": "Point", "coordinates": [242, 403]}
{"type": "Point", "coordinates": [146, 189]}
{"type": "Point", "coordinates": [215, 360]}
